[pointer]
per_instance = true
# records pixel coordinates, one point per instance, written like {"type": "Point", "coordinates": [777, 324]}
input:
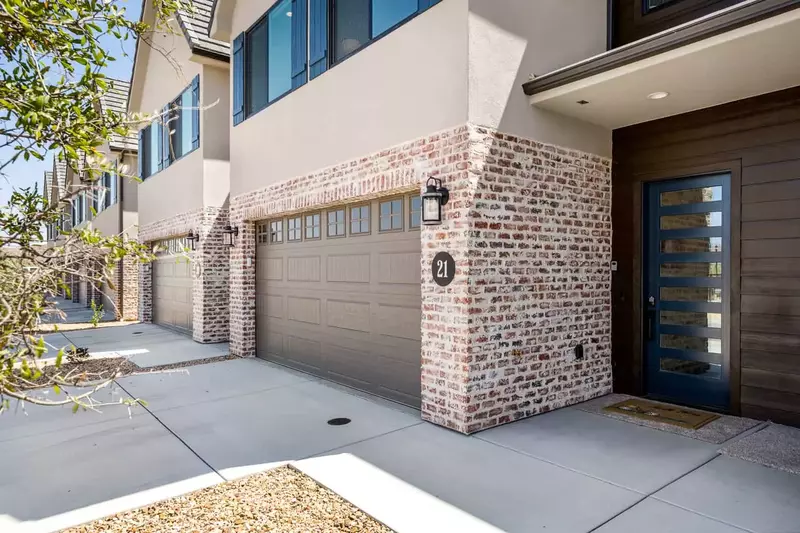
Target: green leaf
{"type": "Point", "coordinates": [59, 357]}
{"type": "Point", "coordinates": [75, 408]}
{"type": "Point", "coordinates": [57, 389]}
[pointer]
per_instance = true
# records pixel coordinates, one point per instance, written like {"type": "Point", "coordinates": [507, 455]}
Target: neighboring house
{"type": "Point", "coordinates": [108, 204]}
{"type": "Point", "coordinates": [533, 115]}
{"type": "Point", "coordinates": [184, 165]}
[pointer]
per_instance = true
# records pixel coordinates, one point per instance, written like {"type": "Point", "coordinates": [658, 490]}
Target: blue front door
{"type": "Point", "coordinates": [687, 246]}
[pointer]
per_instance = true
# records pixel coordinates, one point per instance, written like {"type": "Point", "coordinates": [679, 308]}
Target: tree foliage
{"type": "Point", "coordinates": [52, 59]}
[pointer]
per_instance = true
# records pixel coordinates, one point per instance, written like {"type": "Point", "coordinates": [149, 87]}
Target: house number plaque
{"type": "Point", "coordinates": [444, 269]}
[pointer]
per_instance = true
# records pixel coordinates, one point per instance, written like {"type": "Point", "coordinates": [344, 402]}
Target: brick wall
{"type": "Point", "coordinates": [529, 226]}
{"type": "Point", "coordinates": [210, 270]}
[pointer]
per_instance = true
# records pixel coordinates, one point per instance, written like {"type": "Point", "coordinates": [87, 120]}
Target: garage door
{"type": "Point", "coordinates": [172, 287]}
{"type": "Point", "coordinates": [338, 295]}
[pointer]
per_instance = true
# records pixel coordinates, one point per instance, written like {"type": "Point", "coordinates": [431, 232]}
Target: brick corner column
{"type": "Point", "coordinates": [446, 352]}
{"type": "Point", "coordinates": [128, 279]}
{"type": "Point", "coordinates": [243, 285]}
{"type": "Point", "coordinates": [146, 291]}
{"type": "Point", "coordinates": [210, 279]}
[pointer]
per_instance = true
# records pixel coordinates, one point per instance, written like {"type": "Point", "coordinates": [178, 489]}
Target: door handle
{"type": "Point", "coordinates": [650, 318]}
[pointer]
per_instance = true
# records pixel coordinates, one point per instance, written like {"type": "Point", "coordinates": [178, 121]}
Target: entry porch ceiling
{"type": "Point", "coordinates": [754, 59]}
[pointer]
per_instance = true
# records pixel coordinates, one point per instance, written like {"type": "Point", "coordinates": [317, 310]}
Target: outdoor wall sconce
{"type": "Point", "coordinates": [193, 239]}
{"type": "Point", "coordinates": [229, 235]}
{"type": "Point", "coordinates": [433, 199]}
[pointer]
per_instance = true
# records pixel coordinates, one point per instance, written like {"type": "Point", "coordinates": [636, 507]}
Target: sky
{"type": "Point", "coordinates": [27, 173]}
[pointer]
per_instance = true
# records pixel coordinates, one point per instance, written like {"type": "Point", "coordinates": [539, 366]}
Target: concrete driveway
{"type": "Point", "coordinates": [570, 470]}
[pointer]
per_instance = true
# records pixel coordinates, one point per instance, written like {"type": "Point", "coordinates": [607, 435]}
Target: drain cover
{"type": "Point", "coordinates": [138, 332]}
{"type": "Point", "coordinates": [338, 421]}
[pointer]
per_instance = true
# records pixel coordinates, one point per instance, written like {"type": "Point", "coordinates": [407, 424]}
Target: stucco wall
{"type": "Point", "coordinates": [180, 187]}
{"type": "Point", "coordinates": [509, 41]}
{"type": "Point", "coordinates": [129, 193]}
{"type": "Point", "coordinates": [406, 85]}
{"type": "Point", "coordinates": [215, 135]}
{"type": "Point", "coordinates": [107, 221]}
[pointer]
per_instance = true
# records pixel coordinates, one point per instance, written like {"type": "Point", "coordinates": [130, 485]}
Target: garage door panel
{"type": "Point", "coordinates": [303, 310]}
{"type": "Point", "coordinates": [348, 268]}
{"type": "Point", "coordinates": [397, 321]}
{"type": "Point", "coordinates": [273, 270]}
{"type": "Point", "coordinates": [399, 268]}
{"type": "Point", "coordinates": [303, 350]}
{"type": "Point", "coordinates": [348, 315]}
{"type": "Point", "coordinates": [344, 308]}
{"type": "Point", "coordinates": [172, 292]}
{"type": "Point", "coordinates": [304, 268]}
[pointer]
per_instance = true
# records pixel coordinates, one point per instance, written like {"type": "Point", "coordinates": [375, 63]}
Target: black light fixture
{"type": "Point", "coordinates": [193, 239]}
{"type": "Point", "coordinates": [229, 235]}
{"type": "Point", "coordinates": [434, 197]}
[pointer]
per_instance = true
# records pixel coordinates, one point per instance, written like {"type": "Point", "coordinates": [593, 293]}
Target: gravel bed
{"type": "Point", "coordinates": [184, 364]}
{"type": "Point", "coordinates": [283, 500]}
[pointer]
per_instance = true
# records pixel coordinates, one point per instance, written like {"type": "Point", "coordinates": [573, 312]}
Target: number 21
{"type": "Point", "coordinates": [441, 272]}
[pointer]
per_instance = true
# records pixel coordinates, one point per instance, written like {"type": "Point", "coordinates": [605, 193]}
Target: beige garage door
{"type": "Point", "coordinates": [338, 295]}
{"type": "Point", "coordinates": [172, 287]}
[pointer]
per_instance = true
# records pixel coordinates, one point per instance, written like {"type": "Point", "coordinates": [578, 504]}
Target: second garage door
{"type": "Point", "coordinates": [338, 295]}
{"type": "Point", "coordinates": [172, 287]}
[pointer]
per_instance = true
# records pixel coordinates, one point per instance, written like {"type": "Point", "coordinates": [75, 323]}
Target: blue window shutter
{"type": "Point", "coordinates": [299, 42]}
{"type": "Point", "coordinates": [319, 38]}
{"type": "Point", "coordinates": [164, 128]}
{"type": "Point", "coordinates": [196, 112]}
{"type": "Point", "coordinates": [140, 155]}
{"type": "Point", "coordinates": [238, 79]}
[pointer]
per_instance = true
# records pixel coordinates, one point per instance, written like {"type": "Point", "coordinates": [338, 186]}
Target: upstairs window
{"type": "Point", "coordinates": [175, 134]}
{"type": "Point", "coordinates": [652, 5]}
{"type": "Point", "coordinates": [290, 44]}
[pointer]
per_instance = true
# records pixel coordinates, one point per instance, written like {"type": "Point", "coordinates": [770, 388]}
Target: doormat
{"type": "Point", "coordinates": [659, 412]}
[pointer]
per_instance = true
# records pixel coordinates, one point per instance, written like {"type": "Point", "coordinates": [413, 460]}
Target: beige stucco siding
{"type": "Point", "coordinates": [410, 83]}
{"type": "Point", "coordinates": [200, 178]}
{"type": "Point", "coordinates": [215, 135]}
{"type": "Point", "coordinates": [129, 194]}
{"type": "Point", "coordinates": [107, 221]}
{"type": "Point", "coordinates": [513, 39]}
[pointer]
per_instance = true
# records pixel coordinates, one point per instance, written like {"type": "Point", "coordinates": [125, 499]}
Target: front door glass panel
{"type": "Point", "coordinates": [685, 290]}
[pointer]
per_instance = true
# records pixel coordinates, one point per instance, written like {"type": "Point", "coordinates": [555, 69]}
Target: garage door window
{"type": "Point", "coordinates": [313, 230]}
{"type": "Point", "coordinates": [336, 223]}
{"type": "Point", "coordinates": [414, 212]}
{"type": "Point", "coordinates": [391, 216]}
{"type": "Point", "coordinates": [262, 233]}
{"type": "Point", "coordinates": [359, 220]}
{"type": "Point", "coordinates": [276, 231]}
{"type": "Point", "coordinates": [295, 229]}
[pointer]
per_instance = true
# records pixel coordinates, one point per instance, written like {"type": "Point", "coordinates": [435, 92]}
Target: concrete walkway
{"type": "Point", "coordinates": [569, 470]}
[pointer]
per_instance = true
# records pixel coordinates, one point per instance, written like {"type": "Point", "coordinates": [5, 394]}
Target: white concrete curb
{"type": "Point", "coordinates": [393, 502]}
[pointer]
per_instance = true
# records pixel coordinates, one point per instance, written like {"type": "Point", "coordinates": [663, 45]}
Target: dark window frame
{"type": "Point", "coordinates": [422, 7]}
{"type": "Point", "coordinates": [306, 226]}
{"type": "Point", "coordinates": [392, 215]}
{"type": "Point", "coordinates": [665, 5]}
{"type": "Point", "coordinates": [411, 211]}
{"type": "Point", "coordinates": [345, 221]}
{"type": "Point", "coordinates": [164, 124]}
{"type": "Point", "coordinates": [349, 219]}
{"type": "Point", "coordinates": [299, 229]}
{"type": "Point", "coordinates": [279, 225]}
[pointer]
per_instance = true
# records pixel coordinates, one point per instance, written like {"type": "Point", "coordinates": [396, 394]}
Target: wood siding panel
{"type": "Point", "coordinates": [761, 136]}
{"type": "Point", "coordinates": [771, 286]}
{"type": "Point", "coordinates": [782, 210]}
{"type": "Point", "coordinates": [771, 361]}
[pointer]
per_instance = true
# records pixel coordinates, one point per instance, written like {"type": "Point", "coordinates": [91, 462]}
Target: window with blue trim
{"type": "Point", "coordinates": [175, 134]}
{"type": "Point", "coordinates": [288, 46]}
